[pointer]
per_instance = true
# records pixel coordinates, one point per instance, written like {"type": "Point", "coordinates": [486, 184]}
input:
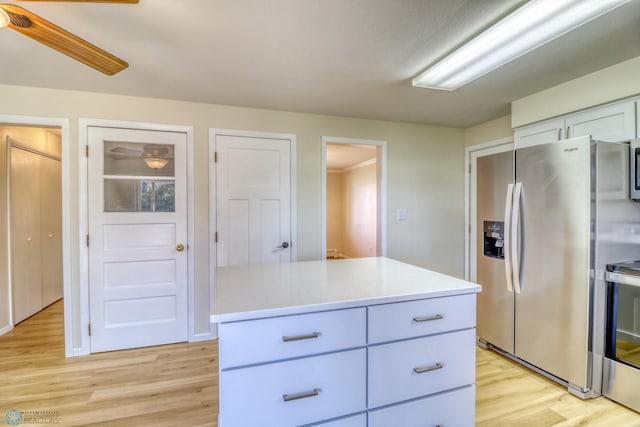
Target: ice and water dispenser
{"type": "Point", "coordinates": [493, 235]}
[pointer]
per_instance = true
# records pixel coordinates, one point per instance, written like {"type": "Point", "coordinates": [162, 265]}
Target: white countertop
{"type": "Point", "coordinates": [265, 290]}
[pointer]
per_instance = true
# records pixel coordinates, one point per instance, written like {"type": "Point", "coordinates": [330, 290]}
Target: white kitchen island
{"type": "Point", "coordinates": [345, 343]}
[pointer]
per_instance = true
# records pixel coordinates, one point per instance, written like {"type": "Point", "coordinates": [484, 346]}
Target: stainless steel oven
{"type": "Point", "coordinates": [622, 352]}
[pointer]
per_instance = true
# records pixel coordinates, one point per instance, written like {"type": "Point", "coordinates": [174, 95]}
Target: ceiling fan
{"type": "Point", "coordinates": [156, 156]}
{"type": "Point", "coordinates": [49, 34]}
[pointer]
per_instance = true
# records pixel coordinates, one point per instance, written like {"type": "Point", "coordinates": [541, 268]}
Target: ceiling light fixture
{"type": "Point", "coordinates": [155, 163]}
{"type": "Point", "coordinates": [4, 18]}
{"type": "Point", "coordinates": [527, 28]}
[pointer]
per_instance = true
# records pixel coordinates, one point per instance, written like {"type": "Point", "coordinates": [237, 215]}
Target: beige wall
{"type": "Point", "coordinates": [424, 173]}
{"type": "Point", "coordinates": [360, 206]}
{"type": "Point", "coordinates": [613, 83]}
{"type": "Point", "coordinates": [335, 212]}
{"type": "Point", "coordinates": [489, 131]}
{"type": "Point", "coordinates": [352, 211]}
{"type": "Point", "coordinates": [40, 139]}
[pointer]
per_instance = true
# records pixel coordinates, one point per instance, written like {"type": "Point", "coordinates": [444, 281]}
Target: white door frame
{"type": "Point", "coordinates": [382, 179]}
{"type": "Point", "coordinates": [63, 124]}
{"type": "Point", "coordinates": [83, 225]}
{"type": "Point", "coordinates": [470, 210]}
{"type": "Point", "coordinates": [213, 133]}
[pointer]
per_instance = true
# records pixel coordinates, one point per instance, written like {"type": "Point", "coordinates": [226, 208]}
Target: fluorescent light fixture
{"type": "Point", "coordinates": [527, 28]}
{"type": "Point", "coordinates": [4, 18]}
{"type": "Point", "coordinates": [155, 163]}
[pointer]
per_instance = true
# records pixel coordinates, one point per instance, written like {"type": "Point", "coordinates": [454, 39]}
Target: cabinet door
{"type": "Point", "coordinates": [51, 229]}
{"type": "Point", "coordinates": [610, 123]}
{"type": "Point", "coordinates": [26, 279]}
{"type": "Point", "coordinates": [539, 133]}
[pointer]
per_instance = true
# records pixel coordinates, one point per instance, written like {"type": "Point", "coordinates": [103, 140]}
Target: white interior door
{"type": "Point", "coordinates": [253, 200]}
{"type": "Point", "coordinates": [137, 238]}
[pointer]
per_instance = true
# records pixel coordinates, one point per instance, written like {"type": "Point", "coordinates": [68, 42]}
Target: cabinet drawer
{"type": "Point", "coordinates": [277, 338]}
{"type": "Point", "coordinates": [388, 322]}
{"type": "Point", "coordinates": [418, 367]}
{"type": "Point", "coordinates": [359, 420]}
{"type": "Point", "coordinates": [454, 408]}
{"type": "Point", "coordinates": [315, 388]}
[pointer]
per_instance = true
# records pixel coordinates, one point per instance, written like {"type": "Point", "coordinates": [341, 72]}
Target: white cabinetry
{"type": "Point", "coordinates": [539, 133]}
{"type": "Point", "coordinates": [614, 122]}
{"type": "Point", "coordinates": [388, 364]}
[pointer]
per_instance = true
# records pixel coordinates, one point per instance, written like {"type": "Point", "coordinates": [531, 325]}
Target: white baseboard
{"type": "Point", "coordinates": [213, 335]}
{"type": "Point", "coordinates": [6, 329]}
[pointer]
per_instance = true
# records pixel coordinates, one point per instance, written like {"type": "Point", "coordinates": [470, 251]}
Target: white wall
{"type": "Point", "coordinates": [425, 173]}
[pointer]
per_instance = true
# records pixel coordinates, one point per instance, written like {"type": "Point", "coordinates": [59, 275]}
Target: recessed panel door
{"type": "Point", "coordinates": [137, 238]}
{"type": "Point", "coordinates": [253, 200]}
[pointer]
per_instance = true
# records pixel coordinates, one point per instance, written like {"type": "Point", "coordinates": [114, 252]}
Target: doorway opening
{"type": "Point", "coordinates": [354, 198]}
{"type": "Point", "coordinates": [31, 199]}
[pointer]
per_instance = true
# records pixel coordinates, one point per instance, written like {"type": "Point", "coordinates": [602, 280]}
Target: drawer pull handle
{"type": "Point", "coordinates": [428, 368]}
{"type": "Point", "coordinates": [303, 395]}
{"type": "Point", "coordinates": [428, 318]}
{"type": "Point", "coordinates": [301, 337]}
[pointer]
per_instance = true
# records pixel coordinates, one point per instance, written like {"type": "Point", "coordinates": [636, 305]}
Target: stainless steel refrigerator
{"type": "Point", "coordinates": [542, 297]}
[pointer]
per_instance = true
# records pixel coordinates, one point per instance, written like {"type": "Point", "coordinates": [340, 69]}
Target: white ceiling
{"type": "Point", "coordinates": [343, 156]}
{"type": "Point", "coordinates": [351, 58]}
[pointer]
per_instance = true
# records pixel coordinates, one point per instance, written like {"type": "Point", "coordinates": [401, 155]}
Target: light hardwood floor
{"type": "Point", "coordinates": [178, 385]}
{"type": "Point", "coordinates": [172, 385]}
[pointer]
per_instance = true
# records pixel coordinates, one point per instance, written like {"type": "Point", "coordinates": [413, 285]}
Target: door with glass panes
{"type": "Point", "coordinates": [137, 237]}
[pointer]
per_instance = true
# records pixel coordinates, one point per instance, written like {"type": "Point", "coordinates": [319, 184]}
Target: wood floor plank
{"type": "Point", "coordinates": [178, 385]}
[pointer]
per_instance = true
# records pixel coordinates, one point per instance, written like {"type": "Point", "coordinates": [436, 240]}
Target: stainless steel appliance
{"type": "Point", "coordinates": [622, 355]}
{"type": "Point", "coordinates": [543, 303]}
{"type": "Point", "coordinates": [634, 170]}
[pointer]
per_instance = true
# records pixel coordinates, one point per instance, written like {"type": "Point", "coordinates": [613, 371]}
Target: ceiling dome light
{"type": "Point", "coordinates": [4, 18]}
{"type": "Point", "coordinates": [155, 163]}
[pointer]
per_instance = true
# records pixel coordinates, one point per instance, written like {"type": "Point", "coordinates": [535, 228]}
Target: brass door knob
{"type": "Point", "coordinates": [180, 248]}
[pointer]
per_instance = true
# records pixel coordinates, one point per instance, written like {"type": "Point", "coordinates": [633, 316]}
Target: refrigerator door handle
{"type": "Point", "coordinates": [515, 225]}
{"type": "Point", "coordinates": [507, 238]}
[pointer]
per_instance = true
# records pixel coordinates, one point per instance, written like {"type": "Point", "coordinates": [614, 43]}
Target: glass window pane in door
{"type": "Point", "coordinates": [138, 159]}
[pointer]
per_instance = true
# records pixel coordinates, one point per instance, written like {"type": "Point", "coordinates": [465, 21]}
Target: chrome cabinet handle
{"type": "Point", "coordinates": [303, 395]}
{"type": "Point", "coordinates": [428, 368]}
{"type": "Point", "coordinates": [301, 337]}
{"type": "Point", "coordinates": [283, 245]}
{"type": "Point", "coordinates": [428, 318]}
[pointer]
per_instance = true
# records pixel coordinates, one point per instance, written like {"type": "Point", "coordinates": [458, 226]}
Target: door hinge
{"type": "Point", "coordinates": [469, 168]}
{"type": "Point", "coordinates": [87, 240]}
{"type": "Point", "coordinates": [215, 237]}
{"type": "Point", "coordinates": [469, 228]}
{"type": "Point", "coordinates": [215, 157]}
{"type": "Point", "coordinates": [86, 151]}
{"type": "Point", "coordinates": [89, 328]}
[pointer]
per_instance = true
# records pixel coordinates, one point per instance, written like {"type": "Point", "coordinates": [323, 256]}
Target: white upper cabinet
{"type": "Point", "coordinates": [539, 133]}
{"type": "Point", "coordinates": [614, 122]}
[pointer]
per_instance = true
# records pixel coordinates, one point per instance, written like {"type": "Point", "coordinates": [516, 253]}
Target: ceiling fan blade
{"type": "Point", "coordinates": [88, 1]}
{"type": "Point", "coordinates": [124, 151]}
{"type": "Point", "coordinates": [49, 34]}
